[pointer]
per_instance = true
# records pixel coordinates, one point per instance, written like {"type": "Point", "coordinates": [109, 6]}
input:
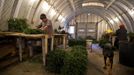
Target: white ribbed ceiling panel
{"type": "Point", "coordinates": [68, 9]}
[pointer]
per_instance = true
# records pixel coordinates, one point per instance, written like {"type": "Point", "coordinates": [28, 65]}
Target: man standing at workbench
{"type": "Point", "coordinates": [46, 26]}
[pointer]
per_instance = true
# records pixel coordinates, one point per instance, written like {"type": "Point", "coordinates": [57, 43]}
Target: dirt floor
{"type": "Point", "coordinates": [95, 66]}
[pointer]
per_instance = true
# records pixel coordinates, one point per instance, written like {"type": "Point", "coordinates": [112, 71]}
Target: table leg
{"type": "Point", "coordinates": [64, 41]}
{"type": "Point", "coordinates": [20, 47]}
{"type": "Point", "coordinates": [52, 44]}
{"type": "Point", "coordinates": [44, 49]}
{"type": "Point", "coordinates": [31, 51]}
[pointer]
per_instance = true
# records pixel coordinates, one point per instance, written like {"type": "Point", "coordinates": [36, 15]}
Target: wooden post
{"type": "Point", "coordinates": [43, 51]}
{"type": "Point", "coordinates": [46, 44]}
{"type": "Point", "coordinates": [52, 43]}
{"type": "Point", "coordinates": [113, 40]}
{"type": "Point", "coordinates": [20, 47]}
{"type": "Point", "coordinates": [44, 48]}
{"type": "Point", "coordinates": [31, 51]}
{"type": "Point", "coordinates": [64, 41]}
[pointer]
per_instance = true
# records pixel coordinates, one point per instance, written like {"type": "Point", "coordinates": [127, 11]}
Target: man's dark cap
{"type": "Point", "coordinates": [42, 16]}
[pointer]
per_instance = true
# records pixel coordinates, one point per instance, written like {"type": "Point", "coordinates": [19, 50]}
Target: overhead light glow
{"type": "Point", "coordinates": [93, 4]}
{"type": "Point", "coordinates": [91, 30]}
{"type": "Point", "coordinates": [45, 6]}
{"type": "Point", "coordinates": [60, 17]}
{"type": "Point", "coordinates": [32, 1]}
{"type": "Point", "coordinates": [131, 11]}
{"type": "Point", "coordinates": [116, 19]}
{"type": "Point", "coordinates": [63, 19]}
{"type": "Point", "coordinates": [89, 14]}
{"type": "Point", "coordinates": [119, 17]}
{"type": "Point", "coordinates": [81, 30]}
{"type": "Point", "coordinates": [52, 12]}
{"type": "Point", "coordinates": [111, 21]}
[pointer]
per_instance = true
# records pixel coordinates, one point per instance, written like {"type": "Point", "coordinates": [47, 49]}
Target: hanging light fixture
{"type": "Point", "coordinates": [93, 4]}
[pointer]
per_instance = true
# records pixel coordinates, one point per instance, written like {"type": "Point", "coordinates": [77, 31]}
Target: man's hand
{"type": "Point", "coordinates": [39, 26]}
{"type": "Point", "coordinates": [43, 28]}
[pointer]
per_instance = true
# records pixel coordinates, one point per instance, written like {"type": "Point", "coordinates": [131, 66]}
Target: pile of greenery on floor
{"type": "Point", "coordinates": [55, 60]}
{"type": "Point", "coordinates": [72, 62]}
{"type": "Point", "coordinates": [75, 61]}
{"type": "Point", "coordinates": [73, 42]}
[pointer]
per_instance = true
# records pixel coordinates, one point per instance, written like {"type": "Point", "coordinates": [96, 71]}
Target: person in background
{"type": "Point", "coordinates": [121, 35]}
{"type": "Point", "coordinates": [61, 30]}
{"type": "Point", "coordinates": [46, 26]}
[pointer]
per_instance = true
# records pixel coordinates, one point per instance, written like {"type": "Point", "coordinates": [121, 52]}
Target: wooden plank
{"type": "Point", "coordinates": [36, 36]}
{"type": "Point", "coordinates": [10, 33]}
{"type": "Point", "coordinates": [5, 50]}
{"type": "Point", "coordinates": [59, 34]}
{"type": "Point", "coordinates": [60, 39]}
{"type": "Point", "coordinates": [43, 37]}
{"type": "Point", "coordinates": [8, 62]}
{"type": "Point", "coordinates": [22, 34]}
{"type": "Point", "coordinates": [64, 41]}
{"type": "Point", "coordinates": [19, 40]}
{"type": "Point", "coordinates": [46, 44]}
{"type": "Point", "coordinates": [52, 44]}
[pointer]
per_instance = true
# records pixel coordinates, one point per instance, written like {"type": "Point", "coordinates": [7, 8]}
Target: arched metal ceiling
{"type": "Point", "coordinates": [68, 9]}
{"type": "Point", "coordinates": [94, 10]}
{"type": "Point", "coordinates": [112, 9]}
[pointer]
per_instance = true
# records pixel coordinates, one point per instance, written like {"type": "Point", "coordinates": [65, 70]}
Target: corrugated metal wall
{"type": "Point", "coordinates": [30, 10]}
{"type": "Point", "coordinates": [102, 25]}
{"type": "Point", "coordinates": [5, 12]}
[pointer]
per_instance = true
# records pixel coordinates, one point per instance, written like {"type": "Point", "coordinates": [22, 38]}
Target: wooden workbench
{"type": "Point", "coordinates": [63, 37]}
{"type": "Point", "coordinates": [20, 36]}
{"type": "Point", "coordinates": [43, 37]}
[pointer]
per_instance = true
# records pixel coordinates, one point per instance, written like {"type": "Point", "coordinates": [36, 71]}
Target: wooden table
{"type": "Point", "coordinates": [64, 36]}
{"type": "Point", "coordinates": [43, 37]}
{"type": "Point", "coordinates": [20, 36]}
